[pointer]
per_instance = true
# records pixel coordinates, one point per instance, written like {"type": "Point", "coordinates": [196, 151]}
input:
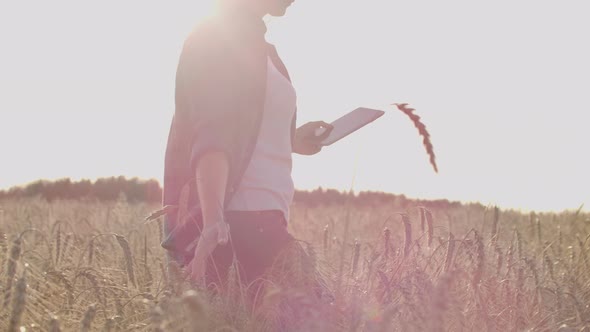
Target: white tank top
{"type": "Point", "coordinates": [267, 182]}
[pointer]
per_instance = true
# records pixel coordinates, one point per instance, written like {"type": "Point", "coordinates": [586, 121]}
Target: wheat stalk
{"type": "Point", "coordinates": [58, 244]}
{"type": "Point", "coordinates": [430, 225]}
{"type": "Point", "coordinates": [583, 256]}
{"type": "Point", "coordinates": [3, 247]}
{"type": "Point", "coordinates": [54, 324]}
{"type": "Point", "coordinates": [67, 285]}
{"type": "Point", "coordinates": [128, 258]}
{"type": "Point", "coordinates": [387, 238]}
{"type": "Point", "coordinates": [18, 303]}
{"type": "Point", "coordinates": [450, 252]}
{"type": "Point", "coordinates": [66, 245]}
{"type": "Point", "coordinates": [421, 130]}
{"type": "Point", "coordinates": [86, 322]}
{"type": "Point", "coordinates": [549, 264]}
{"type": "Point", "coordinates": [355, 257]}
{"type": "Point", "coordinates": [479, 270]}
{"type": "Point", "coordinates": [90, 251]}
{"type": "Point", "coordinates": [311, 253]}
{"type": "Point", "coordinates": [559, 300]}
{"type": "Point", "coordinates": [422, 219]}
{"type": "Point", "coordinates": [531, 264]}
{"type": "Point", "coordinates": [509, 259]}
{"type": "Point", "coordinates": [499, 261]}
{"type": "Point", "coordinates": [559, 242]}
{"type": "Point", "coordinates": [326, 239]}
{"type": "Point", "coordinates": [120, 310]}
{"type": "Point", "coordinates": [163, 211]}
{"type": "Point", "coordinates": [175, 276]}
{"type": "Point", "coordinates": [15, 252]}
{"type": "Point", "coordinates": [95, 284]}
{"type": "Point", "coordinates": [109, 324]}
{"type": "Point", "coordinates": [495, 225]}
{"type": "Point", "coordinates": [518, 243]}
{"type": "Point", "coordinates": [440, 302]}
{"type": "Point", "coordinates": [408, 234]}
{"type": "Point", "coordinates": [572, 257]}
{"type": "Point", "coordinates": [532, 217]}
{"type": "Point", "coordinates": [519, 299]}
{"type": "Point", "coordinates": [148, 274]}
{"type": "Point", "coordinates": [539, 234]}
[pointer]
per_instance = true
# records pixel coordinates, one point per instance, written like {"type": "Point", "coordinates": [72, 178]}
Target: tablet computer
{"type": "Point", "coordinates": [349, 123]}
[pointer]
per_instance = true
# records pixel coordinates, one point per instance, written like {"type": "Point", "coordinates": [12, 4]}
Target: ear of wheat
{"type": "Point", "coordinates": [124, 244]}
{"type": "Point", "coordinates": [163, 211]}
{"type": "Point", "coordinates": [422, 130]}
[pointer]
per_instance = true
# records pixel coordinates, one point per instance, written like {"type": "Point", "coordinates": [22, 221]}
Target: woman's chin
{"type": "Point", "coordinates": [280, 10]}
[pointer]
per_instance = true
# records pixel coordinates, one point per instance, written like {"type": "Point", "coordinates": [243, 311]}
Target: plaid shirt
{"type": "Point", "coordinates": [220, 94]}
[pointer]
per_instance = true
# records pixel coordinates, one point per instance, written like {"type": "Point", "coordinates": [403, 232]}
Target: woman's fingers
{"type": "Point", "coordinates": [325, 133]}
{"type": "Point", "coordinates": [207, 243]}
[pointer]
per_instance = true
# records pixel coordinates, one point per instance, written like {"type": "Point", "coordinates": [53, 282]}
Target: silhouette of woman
{"type": "Point", "coordinates": [231, 140]}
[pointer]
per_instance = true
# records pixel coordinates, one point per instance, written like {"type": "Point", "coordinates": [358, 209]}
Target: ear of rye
{"type": "Point", "coordinates": [421, 130]}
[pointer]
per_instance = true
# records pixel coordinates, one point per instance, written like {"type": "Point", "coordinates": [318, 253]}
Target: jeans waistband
{"type": "Point", "coordinates": [256, 215]}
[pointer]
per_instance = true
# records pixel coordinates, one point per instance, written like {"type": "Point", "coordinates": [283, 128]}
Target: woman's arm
{"type": "Point", "coordinates": [211, 174]}
{"type": "Point", "coordinates": [209, 77]}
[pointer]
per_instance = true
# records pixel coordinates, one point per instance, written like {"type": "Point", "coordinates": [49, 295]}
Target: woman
{"type": "Point", "coordinates": [231, 137]}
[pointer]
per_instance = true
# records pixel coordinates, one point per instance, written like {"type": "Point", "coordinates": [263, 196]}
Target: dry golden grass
{"type": "Point", "coordinates": [97, 267]}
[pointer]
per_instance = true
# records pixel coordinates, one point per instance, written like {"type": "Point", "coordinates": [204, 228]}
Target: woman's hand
{"type": "Point", "coordinates": [212, 235]}
{"type": "Point", "coordinates": [306, 141]}
{"type": "Point", "coordinates": [211, 176]}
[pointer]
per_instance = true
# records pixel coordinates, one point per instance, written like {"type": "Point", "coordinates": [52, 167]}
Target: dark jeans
{"type": "Point", "coordinates": [256, 239]}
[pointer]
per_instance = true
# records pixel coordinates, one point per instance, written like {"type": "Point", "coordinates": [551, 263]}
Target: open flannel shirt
{"type": "Point", "coordinates": [220, 94]}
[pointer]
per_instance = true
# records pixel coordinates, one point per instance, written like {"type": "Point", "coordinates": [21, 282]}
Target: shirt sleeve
{"type": "Point", "coordinates": [206, 80]}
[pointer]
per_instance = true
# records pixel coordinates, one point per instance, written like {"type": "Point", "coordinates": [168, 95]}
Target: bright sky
{"type": "Point", "coordinates": [86, 90]}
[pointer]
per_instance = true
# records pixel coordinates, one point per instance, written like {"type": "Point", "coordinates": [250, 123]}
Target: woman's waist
{"type": "Point", "coordinates": [258, 216]}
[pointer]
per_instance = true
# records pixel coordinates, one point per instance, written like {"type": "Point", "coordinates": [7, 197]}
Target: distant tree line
{"type": "Point", "coordinates": [365, 198]}
{"type": "Point", "coordinates": [103, 189]}
{"type": "Point", "coordinates": [136, 190]}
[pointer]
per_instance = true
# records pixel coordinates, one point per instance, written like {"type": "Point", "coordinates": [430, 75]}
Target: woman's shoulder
{"type": "Point", "coordinates": [207, 30]}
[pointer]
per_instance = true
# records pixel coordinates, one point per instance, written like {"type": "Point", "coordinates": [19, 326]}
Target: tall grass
{"type": "Point", "coordinates": [97, 267]}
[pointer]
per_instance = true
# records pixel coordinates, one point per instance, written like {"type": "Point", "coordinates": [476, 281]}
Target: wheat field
{"type": "Point", "coordinates": [90, 266]}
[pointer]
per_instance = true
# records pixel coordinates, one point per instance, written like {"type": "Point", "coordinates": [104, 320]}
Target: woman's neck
{"type": "Point", "coordinates": [242, 17]}
{"type": "Point", "coordinates": [241, 9]}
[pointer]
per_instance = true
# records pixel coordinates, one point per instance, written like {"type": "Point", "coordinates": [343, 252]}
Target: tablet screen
{"type": "Point", "coordinates": [349, 123]}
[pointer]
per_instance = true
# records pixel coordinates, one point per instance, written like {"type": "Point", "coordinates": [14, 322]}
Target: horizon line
{"type": "Point", "coordinates": [581, 207]}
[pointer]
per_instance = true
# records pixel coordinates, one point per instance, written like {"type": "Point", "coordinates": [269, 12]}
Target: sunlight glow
{"type": "Point", "coordinates": [87, 91]}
